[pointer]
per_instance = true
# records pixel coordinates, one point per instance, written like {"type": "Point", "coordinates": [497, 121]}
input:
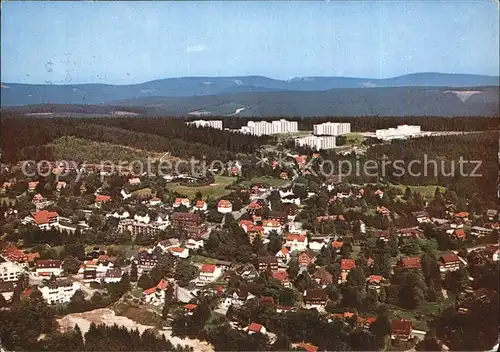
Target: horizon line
{"type": "Point", "coordinates": [250, 75]}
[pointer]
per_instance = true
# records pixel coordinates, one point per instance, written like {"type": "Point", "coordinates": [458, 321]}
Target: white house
{"type": "Point", "coordinates": [208, 273]}
{"type": "Point", "coordinates": [168, 243]}
{"type": "Point", "coordinates": [155, 295]}
{"type": "Point", "coordinates": [201, 205]}
{"type": "Point", "coordinates": [271, 225]}
{"type": "Point", "coordinates": [48, 267]}
{"type": "Point", "coordinates": [142, 218]}
{"type": "Point", "coordinates": [291, 199]}
{"type": "Point", "coordinates": [236, 299]}
{"type": "Point", "coordinates": [59, 291]}
{"type": "Point", "coordinates": [125, 195]}
{"type": "Point", "coordinates": [224, 206]}
{"type": "Point", "coordinates": [123, 215]}
{"type": "Point", "coordinates": [7, 289]}
{"type": "Point", "coordinates": [295, 228]}
{"type": "Point", "coordinates": [194, 244]}
{"type": "Point", "coordinates": [154, 201]}
{"type": "Point", "coordinates": [296, 242]}
{"type": "Point", "coordinates": [255, 328]}
{"type": "Point", "coordinates": [179, 252]}
{"type": "Point", "coordinates": [9, 271]}
{"type": "Point", "coordinates": [182, 201]}
{"type": "Point", "coordinates": [318, 243]}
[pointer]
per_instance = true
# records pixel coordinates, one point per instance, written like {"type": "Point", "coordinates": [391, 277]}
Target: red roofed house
{"type": "Point", "coordinates": [254, 208]}
{"type": "Point", "coordinates": [224, 206]}
{"type": "Point", "coordinates": [458, 234]}
{"type": "Point", "coordinates": [48, 267]}
{"type": "Point", "coordinates": [190, 308]}
{"type": "Point", "coordinates": [282, 276]}
{"type": "Point", "coordinates": [155, 295]}
{"type": "Point", "coordinates": [462, 216]}
{"type": "Point", "coordinates": [337, 246]}
{"type": "Point", "coordinates": [100, 199]}
{"type": "Point", "coordinates": [448, 262]}
{"type": "Point", "coordinates": [375, 282]}
{"type": "Point", "coordinates": [322, 277]}
{"type": "Point", "coordinates": [346, 265]}
{"type": "Point", "coordinates": [182, 201]}
{"type": "Point", "coordinates": [401, 330]}
{"type": "Point", "coordinates": [38, 198]}
{"type": "Point", "coordinates": [201, 205]}
{"type": "Point", "coordinates": [208, 273]}
{"type": "Point", "coordinates": [410, 263]}
{"type": "Point", "coordinates": [179, 252]}
{"type": "Point", "coordinates": [134, 181]}
{"type": "Point", "coordinates": [296, 242]}
{"type": "Point", "coordinates": [315, 298]}
{"type": "Point", "coordinates": [272, 225]}
{"type": "Point", "coordinates": [45, 219]}
{"type": "Point", "coordinates": [255, 328]}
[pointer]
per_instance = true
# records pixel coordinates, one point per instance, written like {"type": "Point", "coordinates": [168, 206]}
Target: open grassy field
{"type": "Point", "coordinates": [216, 190]}
{"type": "Point", "coordinates": [272, 182]}
{"type": "Point", "coordinates": [426, 191]}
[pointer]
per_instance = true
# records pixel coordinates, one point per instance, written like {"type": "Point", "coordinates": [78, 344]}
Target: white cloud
{"type": "Point", "coordinates": [198, 48]}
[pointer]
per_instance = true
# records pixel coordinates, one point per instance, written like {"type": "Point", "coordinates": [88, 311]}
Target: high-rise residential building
{"type": "Point", "coordinates": [260, 128]}
{"type": "Point", "coordinates": [332, 129]}
{"type": "Point", "coordinates": [207, 123]}
{"type": "Point", "coordinates": [400, 132]}
{"type": "Point", "coordinates": [317, 143]}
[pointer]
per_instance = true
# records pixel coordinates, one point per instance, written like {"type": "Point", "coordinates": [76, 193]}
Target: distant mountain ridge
{"type": "Point", "coordinates": [15, 94]}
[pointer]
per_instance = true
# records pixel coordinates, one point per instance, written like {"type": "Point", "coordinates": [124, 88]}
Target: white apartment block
{"type": "Point", "coordinates": [59, 291]}
{"type": "Point", "coordinates": [317, 143]}
{"type": "Point", "coordinates": [207, 123]}
{"type": "Point", "coordinates": [9, 271]}
{"type": "Point", "coordinates": [260, 128]}
{"type": "Point", "coordinates": [400, 132]}
{"type": "Point", "coordinates": [332, 128]}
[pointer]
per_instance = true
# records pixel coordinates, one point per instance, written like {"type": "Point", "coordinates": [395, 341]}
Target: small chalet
{"type": "Point", "coordinates": [282, 277]}
{"type": "Point", "coordinates": [100, 199]}
{"type": "Point", "coordinates": [254, 208]}
{"type": "Point", "coordinates": [136, 181]}
{"type": "Point", "coordinates": [200, 205]}
{"type": "Point", "coordinates": [421, 216]}
{"type": "Point", "coordinates": [181, 201]}
{"type": "Point", "coordinates": [224, 206]}
{"type": "Point", "coordinates": [322, 277]}
{"type": "Point", "coordinates": [462, 216]}
{"type": "Point", "coordinates": [295, 242]}
{"type": "Point", "coordinates": [271, 225]}
{"type": "Point", "coordinates": [283, 255]}
{"type": "Point", "coordinates": [255, 328]}
{"type": "Point", "coordinates": [190, 308]}
{"type": "Point", "coordinates": [375, 282]}
{"type": "Point", "coordinates": [346, 265]}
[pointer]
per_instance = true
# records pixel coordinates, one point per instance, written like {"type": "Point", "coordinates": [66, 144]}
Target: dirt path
{"type": "Point", "coordinates": [108, 317]}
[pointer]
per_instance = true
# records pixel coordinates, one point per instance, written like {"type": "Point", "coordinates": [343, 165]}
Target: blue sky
{"type": "Point", "coordinates": [132, 42]}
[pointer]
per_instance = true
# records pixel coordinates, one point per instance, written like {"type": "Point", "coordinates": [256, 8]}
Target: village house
{"type": "Point", "coordinates": [282, 277]}
{"type": "Point", "coordinates": [90, 275]}
{"type": "Point", "coordinates": [181, 202]}
{"type": "Point", "coordinates": [421, 216]}
{"type": "Point", "coordinates": [119, 214]}
{"type": "Point", "coordinates": [291, 199]}
{"type": "Point", "coordinates": [190, 308]}
{"type": "Point", "coordinates": [155, 295]}
{"type": "Point", "coordinates": [383, 211]}
{"type": "Point", "coordinates": [61, 185]}
{"type": "Point", "coordinates": [448, 262]}
{"type": "Point", "coordinates": [401, 329]}
{"type": "Point", "coordinates": [479, 231]}
{"type": "Point", "coordinates": [190, 222]}
{"type": "Point", "coordinates": [263, 263]}
{"type": "Point", "coordinates": [48, 267]}
{"type": "Point", "coordinates": [224, 206]}
{"type": "Point", "coordinates": [255, 328]}
{"type": "Point", "coordinates": [32, 186]}
{"type": "Point", "coordinates": [462, 217]}
{"type": "Point", "coordinates": [236, 298]}
{"type": "Point", "coordinates": [59, 291]}
{"type": "Point", "coordinates": [146, 262]}
{"type": "Point", "coordinates": [208, 273]}
{"type": "Point", "coordinates": [295, 242]}
{"type": "Point", "coordinates": [337, 246]}
{"type": "Point", "coordinates": [457, 234]}
{"type": "Point", "coordinates": [492, 214]}
{"type": "Point", "coordinates": [100, 199]}
{"type": "Point", "coordinates": [155, 201]}
{"type": "Point", "coordinates": [112, 276]}
{"type": "Point", "coordinates": [9, 271]}
{"type": "Point", "coordinates": [306, 258]}
{"type": "Point", "coordinates": [322, 277]}
{"type": "Point", "coordinates": [409, 263]}
{"type": "Point", "coordinates": [142, 217]}
{"type": "Point", "coordinates": [168, 243]}
{"type": "Point", "coordinates": [318, 242]}
{"type": "Point", "coordinates": [411, 232]}
{"type": "Point", "coordinates": [7, 289]}
{"type": "Point", "coordinates": [254, 208]}
{"type": "Point", "coordinates": [44, 219]}
{"type": "Point", "coordinates": [136, 181]}
{"type": "Point", "coordinates": [179, 252]}
{"type": "Point", "coordinates": [315, 298]}
{"type": "Point", "coordinates": [200, 205]}
{"type": "Point", "coordinates": [279, 216]}
{"type": "Point", "coordinates": [375, 282]}
{"type": "Point", "coordinates": [346, 265]}
{"type": "Point", "coordinates": [283, 255]}
{"type": "Point", "coordinates": [271, 225]}
{"type": "Point", "coordinates": [193, 244]}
